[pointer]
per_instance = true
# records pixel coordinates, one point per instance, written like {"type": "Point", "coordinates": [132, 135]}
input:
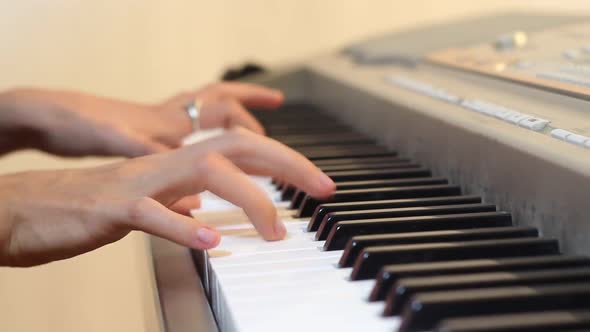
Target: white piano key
{"type": "Point", "coordinates": [253, 262]}
{"type": "Point", "coordinates": [289, 285]}
{"type": "Point", "coordinates": [317, 310]}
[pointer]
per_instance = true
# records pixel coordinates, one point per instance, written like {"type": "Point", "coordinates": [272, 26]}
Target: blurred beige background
{"type": "Point", "coordinates": [146, 50]}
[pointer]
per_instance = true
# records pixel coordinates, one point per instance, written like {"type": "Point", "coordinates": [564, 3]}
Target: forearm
{"type": "Point", "coordinates": [20, 125]}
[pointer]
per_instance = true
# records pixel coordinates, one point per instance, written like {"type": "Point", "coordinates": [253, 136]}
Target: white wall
{"type": "Point", "coordinates": [148, 48]}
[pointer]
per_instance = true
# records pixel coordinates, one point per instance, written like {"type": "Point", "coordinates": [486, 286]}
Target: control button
{"type": "Point", "coordinates": [564, 78]}
{"type": "Point", "coordinates": [571, 54]}
{"type": "Point", "coordinates": [486, 108]}
{"type": "Point", "coordinates": [522, 64]}
{"type": "Point", "coordinates": [560, 134]}
{"type": "Point", "coordinates": [503, 114]}
{"type": "Point", "coordinates": [533, 123]}
{"type": "Point", "coordinates": [516, 118]}
{"type": "Point", "coordinates": [506, 114]}
{"type": "Point", "coordinates": [517, 39]}
{"type": "Point", "coordinates": [577, 139]}
{"type": "Point", "coordinates": [499, 66]}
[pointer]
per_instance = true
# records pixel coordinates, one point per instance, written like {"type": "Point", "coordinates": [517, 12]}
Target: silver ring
{"type": "Point", "coordinates": [193, 110]}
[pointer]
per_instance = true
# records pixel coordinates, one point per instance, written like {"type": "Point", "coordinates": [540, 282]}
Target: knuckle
{"type": "Point", "coordinates": [238, 133]}
{"type": "Point", "coordinates": [242, 140]}
{"type": "Point", "coordinates": [209, 161]}
{"type": "Point", "coordinates": [137, 210]}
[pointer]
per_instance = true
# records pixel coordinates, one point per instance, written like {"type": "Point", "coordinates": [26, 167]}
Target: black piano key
{"type": "Point", "coordinates": [361, 160]}
{"type": "Point", "coordinates": [295, 141]}
{"type": "Point", "coordinates": [350, 185]}
{"type": "Point", "coordinates": [372, 259]}
{"type": "Point", "coordinates": [309, 203]}
{"type": "Point", "coordinates": [546, 321]}
{"type": "Point", "coordinates": [345, 230]}
{"type": "Point", "coordinates": [293, 124]}
{"type": "Point", "coordinates": [352, 167]}
{"type": "Point", "coordinates": [288, 192]}
{"type": "Point", "coordinates": [376, 174]}
{"type": "Point", "coordinates": [357, 243]}
{"type": "Point", "coordinates": [390, 274]}
{"type": "Point", "coordinates": [340, 148]}
{"type": "Point", "coordinates": [301, 121]}
{"type": "Point", "coordinates": [328, 127]}
{"type": "Point", "coordinates": [426, 310]}
{"type": "Point", "coordinates": [401, 293]}
{"type": "Point", "coordinates": [357, 161]}
{"type": "Point", "coordinates": [368, 150]}
{"type": "Point", "coordinates": [332, 218]}
{"type": "Point", "coordinates": [297, 199]}
{"type": "Point", "coordinates": [291, 192]}
{"type": "Point", "coordinates": [282, 131]}
{"type": "Point", "coordinates": [404, 182]}
{"type": "Point", "coordinates": [324, 209]}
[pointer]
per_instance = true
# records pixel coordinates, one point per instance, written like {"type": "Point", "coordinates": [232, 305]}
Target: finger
{"type": "Point", "coordinates": [259, 155]}
{"type": "Point", "coordinates": [146, 145]}
{"type": "Point", "coordinates": [207, 170]}
{"type": "Point", "coordinates": [250, 95]}
{"type": "Point", "coordinates": [228, 113]}
{"type": "Point", "coordinates": [150, 216]}
{"type": "Point", "coordinates": [130, 145]}
{"type": "Point", "coordinates": [228, 182]}
{"type": "Point", "coordinates": [186, 204]}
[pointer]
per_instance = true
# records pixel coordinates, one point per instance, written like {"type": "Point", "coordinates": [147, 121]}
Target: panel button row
{"type": "Point", "coordinates": [565, 78]}
{"type": "Point", "coordinates": [437, 257]}
{"type": "Point", "coordinates": [423, 88]}
{"type": "Point", "coordinates": [570, 137]}
{"type": "Point", "coordinates": [523, 120]}
{"type": "Point", "coordinates": [506, 114]}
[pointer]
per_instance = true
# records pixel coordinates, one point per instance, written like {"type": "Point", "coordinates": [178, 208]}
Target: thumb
{"type": "Point", "coordinates": [150, 216]}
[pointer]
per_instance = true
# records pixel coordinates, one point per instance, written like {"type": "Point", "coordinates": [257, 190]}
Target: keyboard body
{"type": "Point", "coordinates": [463, 99]}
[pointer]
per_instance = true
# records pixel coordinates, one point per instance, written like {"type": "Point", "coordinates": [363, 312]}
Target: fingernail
{"type": "Point", "coordinates": [326, 182]}
{"type": "Point", "coordinates": [280, 230]}
{"type": "Point", "coordinates": [206, 235]}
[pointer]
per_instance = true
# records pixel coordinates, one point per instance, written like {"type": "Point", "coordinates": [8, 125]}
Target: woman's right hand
{"type": "Point", "coordinates": [52, 215]}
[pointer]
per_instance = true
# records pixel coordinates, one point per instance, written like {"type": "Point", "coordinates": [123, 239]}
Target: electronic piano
{"type": "Point", "coordinates": [461, 154]}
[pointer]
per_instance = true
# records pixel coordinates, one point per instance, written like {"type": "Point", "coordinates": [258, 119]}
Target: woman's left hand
{"type": "Point", "coordinates": [75, 124]}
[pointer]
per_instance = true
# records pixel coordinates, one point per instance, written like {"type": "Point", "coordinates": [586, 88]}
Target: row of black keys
{"type": "Point", "coordinates": [435, 253]}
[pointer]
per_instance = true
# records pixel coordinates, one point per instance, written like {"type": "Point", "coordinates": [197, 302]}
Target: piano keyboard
{"type": "Point", "coordinates": [395, 249]}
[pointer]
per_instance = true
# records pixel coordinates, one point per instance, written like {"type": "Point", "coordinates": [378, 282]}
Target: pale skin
{"type": "Point", "coordinates": [52, 215]}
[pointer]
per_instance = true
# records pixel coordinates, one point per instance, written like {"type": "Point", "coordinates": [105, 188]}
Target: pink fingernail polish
{"type": "Point", "coordinates": [206, 235]}
{"type": "Point", "coordinates": [280, 229]}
